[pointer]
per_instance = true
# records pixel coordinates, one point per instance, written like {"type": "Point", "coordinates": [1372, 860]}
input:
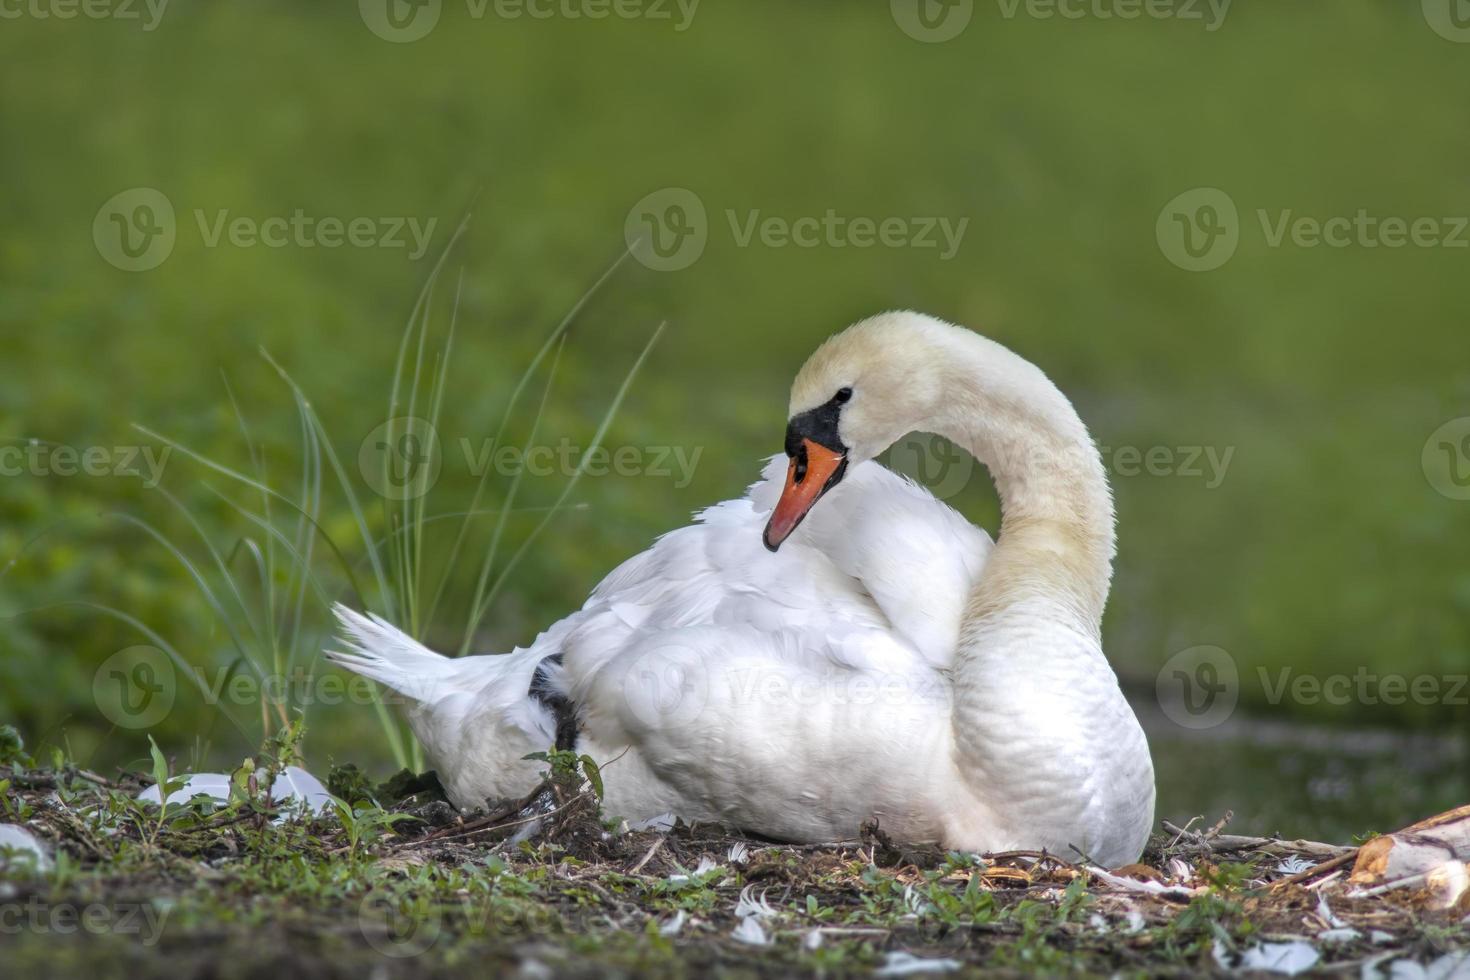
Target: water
{"type": "Point", "coordinates": [1290, 780]}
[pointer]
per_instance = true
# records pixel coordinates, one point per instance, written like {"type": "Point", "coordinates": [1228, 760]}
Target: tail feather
{"type": "Point", "coordinates": [477, 717]}
{"type": "Point", "coordinates": [379, 650]}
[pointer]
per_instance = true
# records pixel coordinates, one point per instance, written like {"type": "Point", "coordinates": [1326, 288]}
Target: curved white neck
{"type": "Point", "coordinates": [1056, 539]}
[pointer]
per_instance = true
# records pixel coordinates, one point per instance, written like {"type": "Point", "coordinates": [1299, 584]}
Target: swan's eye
{"type": "Point", "coordinates": [843, 395]}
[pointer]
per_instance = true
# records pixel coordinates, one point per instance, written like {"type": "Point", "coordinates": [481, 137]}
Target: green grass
{"type": "Point", "coordinates": [1324, 548]}
{"type": "Point", "coordinates": [378, 884]}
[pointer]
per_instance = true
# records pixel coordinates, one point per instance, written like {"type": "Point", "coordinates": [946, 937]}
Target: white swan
{"type": "Point", "coordinates": [795, 670]}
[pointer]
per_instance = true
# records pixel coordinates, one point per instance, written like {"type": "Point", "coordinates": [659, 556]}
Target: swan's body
{"type": "Point", "coordinates": [887, 661]}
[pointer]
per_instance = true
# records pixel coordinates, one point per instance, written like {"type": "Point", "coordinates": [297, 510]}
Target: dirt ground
{"type": "Point", "coordinates": [543, 887]}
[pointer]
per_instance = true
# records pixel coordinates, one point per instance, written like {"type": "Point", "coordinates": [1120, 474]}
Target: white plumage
{"type": "Point", "coordinates": [887, 662]}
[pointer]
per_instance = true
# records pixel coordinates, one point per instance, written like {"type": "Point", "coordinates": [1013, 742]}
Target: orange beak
{"type": "Point", "coordinates": [811, 473]}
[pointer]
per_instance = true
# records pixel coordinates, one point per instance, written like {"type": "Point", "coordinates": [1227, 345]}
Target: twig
{"type": "Point", "coordinates": [1178, 832]}
{"type": "Point", "coordinates": [1329, 865]}
{"type": "Point", "coordinates": [647, 857]}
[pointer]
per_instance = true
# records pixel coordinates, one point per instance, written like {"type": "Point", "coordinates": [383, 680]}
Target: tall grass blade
{"type": "Point", "coordinates": [515, 395]}
{"type": "Point", "coordinates": [576, 476]}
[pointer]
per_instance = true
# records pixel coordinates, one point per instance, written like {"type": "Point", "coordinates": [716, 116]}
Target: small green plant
{"type": "Point", "coordinates": [1229, 877]}
{"type": "Point", "coordinates": [166, 787]}
{"type": "Point", "coordinates": [12, 748]}
{"type": "Point", "coordinates": [365, 823]}
{"type": "Point", "coordinates": [567, 766]}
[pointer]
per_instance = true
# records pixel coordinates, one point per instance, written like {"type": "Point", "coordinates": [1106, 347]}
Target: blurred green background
{"type": "Point", "coordinates": [1322, 548]}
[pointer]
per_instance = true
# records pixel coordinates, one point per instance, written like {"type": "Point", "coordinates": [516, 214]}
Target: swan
{"type": "Point", "coordinates": [837, 645]}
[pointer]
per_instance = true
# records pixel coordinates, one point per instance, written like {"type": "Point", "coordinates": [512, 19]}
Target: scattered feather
{"type": "Point", "coordinates": [914, 902]}
{"type": "Point", "coordinates": [705, 866]}
{"type": "Point", "coordinates": [1450, 966]}
{"type": "Point", "coordinates": [1325, 911]}
{"type": "Point", "coordinates": [675, 924]}
{"type": "Point", "coordinates": [1289, 958]}
{"type": "Point", "coordinates": [750, 932]}
{"type": "Point", "coordinates": [750, 906]}
{"type": "Point", "coordinates": [17, 841]}
{"type": "Point", "coordinates": [739, 851]}
{"type": "Point", "coordinates": [1294, 865]}
{"type": "Point", "coordinates": [295, 789]}
{"type": "Point", "coordinates": [901, 964]}
{"type": "Point", "coordinates": [1147, 887]}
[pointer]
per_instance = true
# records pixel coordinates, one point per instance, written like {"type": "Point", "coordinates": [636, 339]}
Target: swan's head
{"type": "Point", "coordinates": [861, 392]}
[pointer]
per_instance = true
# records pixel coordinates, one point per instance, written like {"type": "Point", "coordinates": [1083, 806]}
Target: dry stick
{"type": "Point", "coordinates": [488, 821]}
{"type": "Point", "coordinates": [1038, 856]}
{"type": "Point", "coordinates": [1316, 869]}
{"type": "Point", "coordinates": [647, 857]}
{"type": "Point", "coordinates": [1178, 832]}
{"type": "Point", "coordinates": [1239, 842]}
{"type": "Point", "coordinates": [472, 831]}
{"type": "Point", "coordinates": [1449, 816]}
{"type": "Point", "coordinates": [827, 846]}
